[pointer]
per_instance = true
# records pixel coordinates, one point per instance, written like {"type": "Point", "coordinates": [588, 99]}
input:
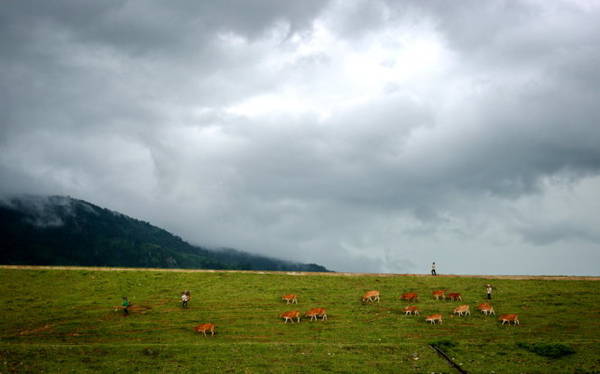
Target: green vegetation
{"type": "Point", "coordinates": [57, 230]}
{"type": "Point", "coordinates": [548, 350]}
{"type": "Point", "coordinates": [63, 321]}
{"type": "Point", "coordinates": [443, 343]}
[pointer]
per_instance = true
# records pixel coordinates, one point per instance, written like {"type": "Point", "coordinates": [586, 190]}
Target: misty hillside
{"type": "Point", "coordinates": [57, 230]}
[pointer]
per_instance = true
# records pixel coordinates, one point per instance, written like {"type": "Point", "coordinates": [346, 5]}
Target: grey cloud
{"type": "Point", "coordinates": [543, 235]}
{"type": "Point", "coordinates": [129, 105]}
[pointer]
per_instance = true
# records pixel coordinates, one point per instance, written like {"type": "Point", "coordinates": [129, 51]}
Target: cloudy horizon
{"type": "Point", "coordinates": [365, 136]}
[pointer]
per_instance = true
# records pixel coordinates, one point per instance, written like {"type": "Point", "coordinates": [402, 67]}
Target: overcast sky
{"type": "Point", "coordinates": [370, 136]}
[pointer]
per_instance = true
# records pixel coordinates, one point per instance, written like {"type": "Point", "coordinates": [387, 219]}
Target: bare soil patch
{"type": "Point", "coordinates": [44, 328]}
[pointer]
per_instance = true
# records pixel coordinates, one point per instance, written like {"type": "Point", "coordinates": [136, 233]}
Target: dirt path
{"type": "Point", "coordinates": [93, 268]}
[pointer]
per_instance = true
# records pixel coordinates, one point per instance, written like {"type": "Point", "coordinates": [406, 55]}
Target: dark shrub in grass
{"type": "Point", "coordinates": [548, 350]}
{"type": "Point", "coordinates": [444, 343]}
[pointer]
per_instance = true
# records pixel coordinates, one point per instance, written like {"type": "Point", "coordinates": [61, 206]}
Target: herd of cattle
{"type": "Point", "coordinates": [461, 310]}
{"type": "Point", "coordinates": [372, 297]}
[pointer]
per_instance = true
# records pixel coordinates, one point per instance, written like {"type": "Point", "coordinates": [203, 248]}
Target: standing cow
{"type": "Point", "coordinates": [371, 296]}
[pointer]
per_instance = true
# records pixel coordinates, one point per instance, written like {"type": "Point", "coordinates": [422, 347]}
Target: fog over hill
{"type": "Point", "coordinates": [58, 230]}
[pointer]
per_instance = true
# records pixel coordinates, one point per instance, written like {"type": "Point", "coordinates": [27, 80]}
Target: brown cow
{"type": "Point", "coordinates": [291, 298]}
{"type": "Point", "coordinates": [486, 309]}
{"type": "Point", "coordinates": [203, 328]}
{"type": "Point", "coordinates": [509, 318]}
{"type": "Point", "coordinates": [411, 310]}
{"type": "Point", "coordinates": [291, 315]}
{"type": "Point", "coordinates": [409, 296]}
{"type": "Point", "coordinates": [462, 309]}
{"type": "Point", "coordinates": [371, 296]}
{"type": "Point", "coordinates": [439, 293]}
{"type": "Point", "coordinates": [434, 318]}
{"type": "Point", "coordinates": [315, 313]}
{"type": "Point", "coordinates": [454, 296]}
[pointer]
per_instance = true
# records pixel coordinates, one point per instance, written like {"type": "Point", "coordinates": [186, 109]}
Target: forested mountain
{"type": "Point", "coordinates": [58, 230]}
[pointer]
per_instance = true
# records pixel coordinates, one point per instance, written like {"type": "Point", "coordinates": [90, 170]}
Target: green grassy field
{"type": "Point", "coordinates": [63, 321]}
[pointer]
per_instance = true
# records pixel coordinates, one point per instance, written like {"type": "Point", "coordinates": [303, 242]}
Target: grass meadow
{"type": "Point", "coordinates": [62, 321]}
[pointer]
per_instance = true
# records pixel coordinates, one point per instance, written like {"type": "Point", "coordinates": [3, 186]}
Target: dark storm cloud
{"type": "Point", "coordinates": [366, 136]}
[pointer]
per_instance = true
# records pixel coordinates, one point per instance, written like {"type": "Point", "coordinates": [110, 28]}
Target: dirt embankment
{"type": "Point", "coordinates": [334, 274]}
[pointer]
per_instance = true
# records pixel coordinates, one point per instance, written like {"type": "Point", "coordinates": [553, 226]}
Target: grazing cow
{"type": "Point", "coordinates": [434, 318]}
{"type": "Point", "coordinates": [439, 293]}
{"type": "Point", "coordinates": [315, 313]}
{"type": "Point", "coordinates": [411, 310]}
{"type": "Point", "coordinates": [486, 309]}
{"type": "Point", "coordinates": [291, 315]}
{"type": "Point", "coordinates": [409, 296]}
{"type": "Point", "coordinates": [371, 296]}
{"type": "Point", "coordinates": [290, 299]}
{"type": "Point", "coordinates": [462, 310]}
{"type": "Point", "coordinates": [455, 296]}
{"type": "Point", "coordinates": [203, 328]}
{"type": "Point", "coordinates": [509, 318]}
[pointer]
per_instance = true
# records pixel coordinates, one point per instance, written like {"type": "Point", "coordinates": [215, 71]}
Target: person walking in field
{"type": "Point", "coordinates": [433, 269]}
{"type": "Point", "coordinates": [185, 297]}
{"type": "Point", "coordinates": [125, 304]}
{"type": "Point", "coordinates": [488, 289]}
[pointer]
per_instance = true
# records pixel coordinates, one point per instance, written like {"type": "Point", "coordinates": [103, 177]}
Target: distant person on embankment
{"type": "Point", "coordinates": [433, 269]}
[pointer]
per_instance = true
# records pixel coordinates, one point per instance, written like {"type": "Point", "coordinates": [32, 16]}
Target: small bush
{"type": "Point", "coordinates": [548, 350]}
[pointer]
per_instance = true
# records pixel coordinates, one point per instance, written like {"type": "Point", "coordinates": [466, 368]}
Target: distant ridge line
{"type": "Point", "coordinates": [100, 268]}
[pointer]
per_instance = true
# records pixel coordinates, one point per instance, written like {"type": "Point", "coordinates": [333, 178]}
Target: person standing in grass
{"type": "Point", "coordinates": [185, 297]}
{"type": "Point", "coordinates": [488, 289]}
{"type": "Point", "coordinates": [125, 304]}
{"type": "Point", "coordinates": [433, 269]}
